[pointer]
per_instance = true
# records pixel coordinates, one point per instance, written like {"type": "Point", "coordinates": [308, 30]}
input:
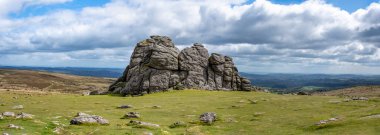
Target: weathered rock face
{"type": "Point", "coordinates": [157, 65]}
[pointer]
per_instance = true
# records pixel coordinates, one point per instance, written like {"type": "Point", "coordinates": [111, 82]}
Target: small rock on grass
{"type": "Point", "coordinates": [5, 134]}
{"type": "Point", "coordinates": [1, 117]}
{"type": "Point", "coordinates": [142, 124]}
{"type": "Point", "coordinates": [24, 116]}
{"type": "Point", "coordinates": [360, 98]}
{"type": "Point", "coordinates": [12, 126]}
{"type": "Point", "coordinates": [18, 107]}
{"type": "Point", "coordinates": [9, 114]}
{"type": "Point", "coordinates": [83, 118]}
{"type": "Point", "coordinates": [208, 117]}
{"type": "Point", "coordinates": [86, 93]}
{"type": "Point", "coordinates": [132, 115]}
{"type": "Point", "coordinates": [178, 124]}
{"type": "Point", "coordinates": [124, 106]}
{"type": "Point", "coordinates": [323, 122]}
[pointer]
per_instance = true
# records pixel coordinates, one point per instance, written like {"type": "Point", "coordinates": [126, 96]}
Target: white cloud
{"type": "Point", "coordinates": [261, 34]}
{"type": "Point", "coordinates": [9, 6]}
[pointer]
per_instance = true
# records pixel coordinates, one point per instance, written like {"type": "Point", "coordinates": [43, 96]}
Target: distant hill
{"type": "Point", "coordinates": [81, 71]}
{"type": "Point", "coordinates": [11, 79]}
{"type": "Point", "coordinates": [279, 83]}
{"type": "Point", "coordinates": [289, 83]}
{"type": "Point", "coordinates": [359, 91]}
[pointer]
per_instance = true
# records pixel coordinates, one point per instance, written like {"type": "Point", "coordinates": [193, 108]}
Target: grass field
{"type": "Point", "coordinates": [272, 114]}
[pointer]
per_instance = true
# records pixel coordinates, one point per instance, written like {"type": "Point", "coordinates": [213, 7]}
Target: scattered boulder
{"type": "Point", "coordinates": [9, 114]}
{"type": "Point", "coordinates": [360, 98]}
{"type": "Point", "coordinates": [125, 106]}
{"type": "Point", "coordinates": [178, 124]}
{"type": "Point", "coordinates": [24, 116]}
{"type": "Point", "coordinates": [141, 124]}
{"type": "Point", "coordinates": [18, 107]}
{"type": "Point", "coordinates": [324, 122]}
{"type": "Point", "coordinates": [86, 93]}
{"type": "Point", "coordinates": [157, 65]}
{"type": "Point", "coordinates": [12, 126]}
{"type": "Point", "coordinates": [83, 118]}
{"type": "Point", "coordinates": [132, 115]}
{"type": "Point", "coordinates": [208, 117]}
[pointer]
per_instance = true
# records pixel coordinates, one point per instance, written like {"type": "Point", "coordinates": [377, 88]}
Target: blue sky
{"type": "Point", "coordinates": [281, 36]}
{"type": "Point", "coordinates": [43, 9]}
{"type": "Point", "coordinates": [348, 5]}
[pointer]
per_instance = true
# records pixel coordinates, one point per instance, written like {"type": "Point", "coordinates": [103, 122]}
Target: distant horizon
{"type": "Point", "coordinates": [122, 69]}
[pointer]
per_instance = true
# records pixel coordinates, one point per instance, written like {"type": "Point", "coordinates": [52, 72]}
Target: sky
{"type": "Point", "coordinates": [262, 36]}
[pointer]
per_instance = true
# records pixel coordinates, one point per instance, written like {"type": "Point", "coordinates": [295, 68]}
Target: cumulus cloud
{"type": "Point", "coordinates": [259, 35]}
{"type": "Point", "coordinates": [9, 6]}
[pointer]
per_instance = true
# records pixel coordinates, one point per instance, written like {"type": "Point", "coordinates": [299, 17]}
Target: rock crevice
{"type": "Point", "coordinates": [157, 65]}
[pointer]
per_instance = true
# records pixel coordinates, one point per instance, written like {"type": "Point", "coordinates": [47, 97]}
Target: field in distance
{"type": "Point", "coordinates": [26, 80]}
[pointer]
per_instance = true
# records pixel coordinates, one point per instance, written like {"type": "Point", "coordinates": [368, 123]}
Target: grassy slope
{"type": "Point", "coordinates": [45, 81]}
{"type": "Point", "coordinates": [366, 91]}
{"type": "Point", "coordinates": [281, 114]}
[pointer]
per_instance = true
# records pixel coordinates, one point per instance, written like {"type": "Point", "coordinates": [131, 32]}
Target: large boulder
{"type": "Point", "coordinates": [157, 65]}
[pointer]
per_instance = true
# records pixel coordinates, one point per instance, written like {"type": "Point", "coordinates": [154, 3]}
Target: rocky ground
{"type": "Point", "coordinates": [187, 112]}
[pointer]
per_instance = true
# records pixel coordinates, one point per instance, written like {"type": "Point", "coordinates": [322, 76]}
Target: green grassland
{"type": "Point", "coordinates": [237, 114]}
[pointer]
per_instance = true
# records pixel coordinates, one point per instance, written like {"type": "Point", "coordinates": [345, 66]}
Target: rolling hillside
{"type": "Point", "coordinates": [237, 112]}
{"type": "Point", "coordinates": [359, 91]}
{"type": "Point", "coordinates": [45, 81]}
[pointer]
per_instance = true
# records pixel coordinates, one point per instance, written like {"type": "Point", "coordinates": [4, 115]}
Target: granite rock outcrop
{"type": "Point", "coordinates": [157, 65]}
